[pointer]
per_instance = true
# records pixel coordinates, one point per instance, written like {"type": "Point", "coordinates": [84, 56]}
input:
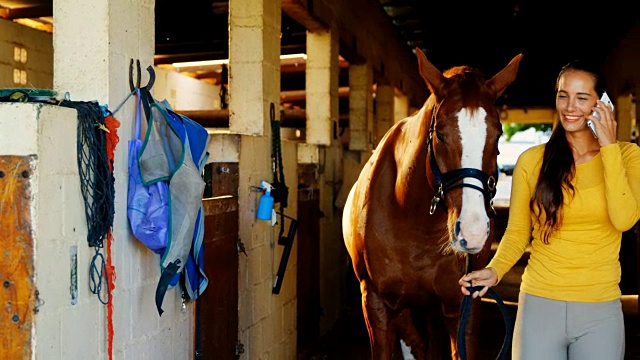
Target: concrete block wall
{"type": "Point", "coordinates": [59, 228]}
{"type": "Point", "coordinates": [49, 134]}
{"type": "Point", "coordinates": [267, 321]}
{"type": "Point", "coordinates": [332, 249]}
{"type": "Point", "coordinates": [184, 92]}
{"type": "Point", "coordinates": [39, 53]}
{"type": "Point", "coordinates": [223, 146]}
{"type": "Point", "coordinates": [139, 332]}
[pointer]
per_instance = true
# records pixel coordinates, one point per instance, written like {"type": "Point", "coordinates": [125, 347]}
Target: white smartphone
{"type": "Point", "coordinates": [607, 101]}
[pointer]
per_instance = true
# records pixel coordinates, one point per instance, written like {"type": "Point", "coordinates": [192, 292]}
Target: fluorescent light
{"type": "Point", "coordinates": [226, 61]}
{"type": "Point", "coordinates": [293, 56]}
{"type": "Point", "coordinates": [200, 63]}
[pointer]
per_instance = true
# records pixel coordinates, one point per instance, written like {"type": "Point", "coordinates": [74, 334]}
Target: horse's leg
{"type": "Point", "coordinates": [376, 315]}
{"type": "Point", "coordinates": [451, 316]}
{"type": "Point", "coordinates": [414, 345]}
{"type": "Point", "coordinates": [472, 328]}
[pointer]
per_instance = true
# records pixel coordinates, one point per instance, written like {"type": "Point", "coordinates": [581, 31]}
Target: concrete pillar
{"type": "Point", "coordinates": [254, 64]}
{"type": "Point", "coordinates": [92, 49]}
{"type": "Point", "coordinates": [322, 86]}
{"type": "Point", "coordinates": [360, 107]}
{"type": "Point", "coordinates": [384, 110]}
{"type": "Point", "coordinates": [325, 151]}
{"type": "Point", "coordinates": [400, 107]}
{"type": "Point", "coordinates": [266, 321]}
{"type": "Point", "coordinates": [93, 43]}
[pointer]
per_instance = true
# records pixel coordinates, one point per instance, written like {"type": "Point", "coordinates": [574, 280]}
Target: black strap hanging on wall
{"type": "Point", "coordinates": [280, 195]}
{"type": "Point", "coordinates": [280, 191]}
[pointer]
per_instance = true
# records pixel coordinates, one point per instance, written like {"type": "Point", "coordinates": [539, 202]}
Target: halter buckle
{"type": "Point", "coordinates": [493, 213]}
{"type": "Point", "coordinates": [436, 199]}
{"type": "Point", "coordinates": [491, 183]}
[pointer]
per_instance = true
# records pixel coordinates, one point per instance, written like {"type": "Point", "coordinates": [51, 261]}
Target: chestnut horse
{"type": "Point", "coordinates": [423, 200]}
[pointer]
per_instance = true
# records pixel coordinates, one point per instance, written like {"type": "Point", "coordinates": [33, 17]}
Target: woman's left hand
{"type": "Point", "coordinates": [606, 126]}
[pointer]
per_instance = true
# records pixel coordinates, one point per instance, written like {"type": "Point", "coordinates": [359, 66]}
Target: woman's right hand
{"type": "Point", "coordinates": [486, 277]}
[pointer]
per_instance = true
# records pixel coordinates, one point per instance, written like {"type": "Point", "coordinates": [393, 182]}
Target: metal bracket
{"type": "Point", "coordinates": [239, 349]}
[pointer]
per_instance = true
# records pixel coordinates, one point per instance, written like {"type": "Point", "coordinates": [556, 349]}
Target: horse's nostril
{"type": "Point", "coordinates": [463, 243]}
{"type": "Point", "coordinates": [458, 227]}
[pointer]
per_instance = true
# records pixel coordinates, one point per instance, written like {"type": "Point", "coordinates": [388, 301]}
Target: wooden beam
{"type": "Point", "coordinates": [220, 118]}
{"type": "Point", "coordinates": [299, 95]}
{"type": "Point", "coordinates": [298, 11]}
{"type": "Point", "coordinates": [528, 115]}
{"type": "Point", "coordinates": [366, 33]}
{"type": "Point", "coordinates": [289, 67]}
{"type": "Point", "coordinates": [290, 118]}
{"type": "Point", "coordinates": [30, 12]}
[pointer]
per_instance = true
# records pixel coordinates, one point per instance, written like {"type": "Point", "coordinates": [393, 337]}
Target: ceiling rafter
{"type": "Point", "coordinates": [29, 12]}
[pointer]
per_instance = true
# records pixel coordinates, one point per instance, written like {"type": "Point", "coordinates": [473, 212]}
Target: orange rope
{"type": "Point", "coordinates": [111, 277]}
{"type": "Point", "coordinates": [112, 125]}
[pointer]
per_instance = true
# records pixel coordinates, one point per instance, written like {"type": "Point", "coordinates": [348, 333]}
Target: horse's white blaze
{"type": "Point", "coordinates": [473, 218]}
{"type": "Point", "coordinates": [406, 351]}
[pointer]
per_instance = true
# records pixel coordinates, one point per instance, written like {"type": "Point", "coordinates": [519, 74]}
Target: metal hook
{"type": "Point", "coordinates": [152, 76]}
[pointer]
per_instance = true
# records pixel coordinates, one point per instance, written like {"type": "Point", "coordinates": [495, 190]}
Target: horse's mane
{"type": "Point", "coordinates": [462, 71]}
{"type": "Point", "coordinates": [470, 80]}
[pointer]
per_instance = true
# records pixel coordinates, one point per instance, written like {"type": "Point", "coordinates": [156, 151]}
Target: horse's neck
{"type": "Point", "coordinates": [418, 125]}
{"type": "Point", "coordinates": [411, 157]}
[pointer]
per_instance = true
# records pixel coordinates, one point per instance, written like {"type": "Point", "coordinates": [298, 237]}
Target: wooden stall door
{"type": "Point", "coordinates": [17, 275]}
{"type": "Point", "coordinates": [217, 307]}
{"type": "Point", "coordinates": [308, 283]}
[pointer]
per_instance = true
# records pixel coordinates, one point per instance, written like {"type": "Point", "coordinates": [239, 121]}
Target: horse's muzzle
{"type": "Point", "coordinates": [463, 247]}
{"type": "Point", "coordinates": [462, 244]}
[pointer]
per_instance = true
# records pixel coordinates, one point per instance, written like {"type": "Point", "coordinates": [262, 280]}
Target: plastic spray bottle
{"type": "Point", "coordinates": [265, 206]}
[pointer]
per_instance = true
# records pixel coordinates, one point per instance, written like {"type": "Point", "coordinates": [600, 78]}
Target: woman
{"type": "Point", "coordinates": [571, 199]}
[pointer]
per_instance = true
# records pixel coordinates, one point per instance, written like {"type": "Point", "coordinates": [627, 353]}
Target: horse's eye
{"type": "Point", "coordinates": [440, 137]}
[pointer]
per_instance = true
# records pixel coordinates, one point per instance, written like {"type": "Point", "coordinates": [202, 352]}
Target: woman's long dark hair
{"type": "Point", "coordinates": [558, 167]}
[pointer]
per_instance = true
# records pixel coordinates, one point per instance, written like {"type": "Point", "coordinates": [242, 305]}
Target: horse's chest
{"type": "Point", "coordinates": [416, 277]}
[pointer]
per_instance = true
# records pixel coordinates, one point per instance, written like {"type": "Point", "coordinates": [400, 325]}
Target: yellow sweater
{"type": "Point", "coordinates": [580, 263]}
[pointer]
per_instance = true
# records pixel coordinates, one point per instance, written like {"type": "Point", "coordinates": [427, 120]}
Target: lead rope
{"type": "Point", "coordinates": [465, 309]}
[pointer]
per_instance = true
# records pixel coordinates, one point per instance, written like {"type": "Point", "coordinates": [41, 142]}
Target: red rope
{"type": "Point", "coordinates": [111, 277]}
{"type": "Point", "coordinates": [112, 125]}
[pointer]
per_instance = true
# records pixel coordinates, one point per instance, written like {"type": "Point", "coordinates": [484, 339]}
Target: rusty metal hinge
{"type": "Point", "coordinates": [239, 349]}
{"type": "Point", "coordinates": [240, 247]}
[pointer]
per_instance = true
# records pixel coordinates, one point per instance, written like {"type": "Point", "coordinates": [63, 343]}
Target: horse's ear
{"type": "Point", "coordinates": [505, 77]}
{"type": "Point", "coordinates": [431, 75]}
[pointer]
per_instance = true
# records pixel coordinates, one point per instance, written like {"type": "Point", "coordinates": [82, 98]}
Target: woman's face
{"type": "Point", "coordinates": [575, 98]}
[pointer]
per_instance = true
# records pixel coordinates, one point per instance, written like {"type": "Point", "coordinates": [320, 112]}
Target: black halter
{"type": "Point", "coordinates": [454, 178]}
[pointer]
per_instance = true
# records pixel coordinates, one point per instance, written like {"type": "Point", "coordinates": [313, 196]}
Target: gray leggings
{"type": "Point", "coordinates": [560, 330]}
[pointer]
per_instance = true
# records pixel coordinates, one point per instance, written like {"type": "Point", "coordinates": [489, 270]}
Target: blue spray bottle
{"type": "Point", "coordinates": [265, 206]}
